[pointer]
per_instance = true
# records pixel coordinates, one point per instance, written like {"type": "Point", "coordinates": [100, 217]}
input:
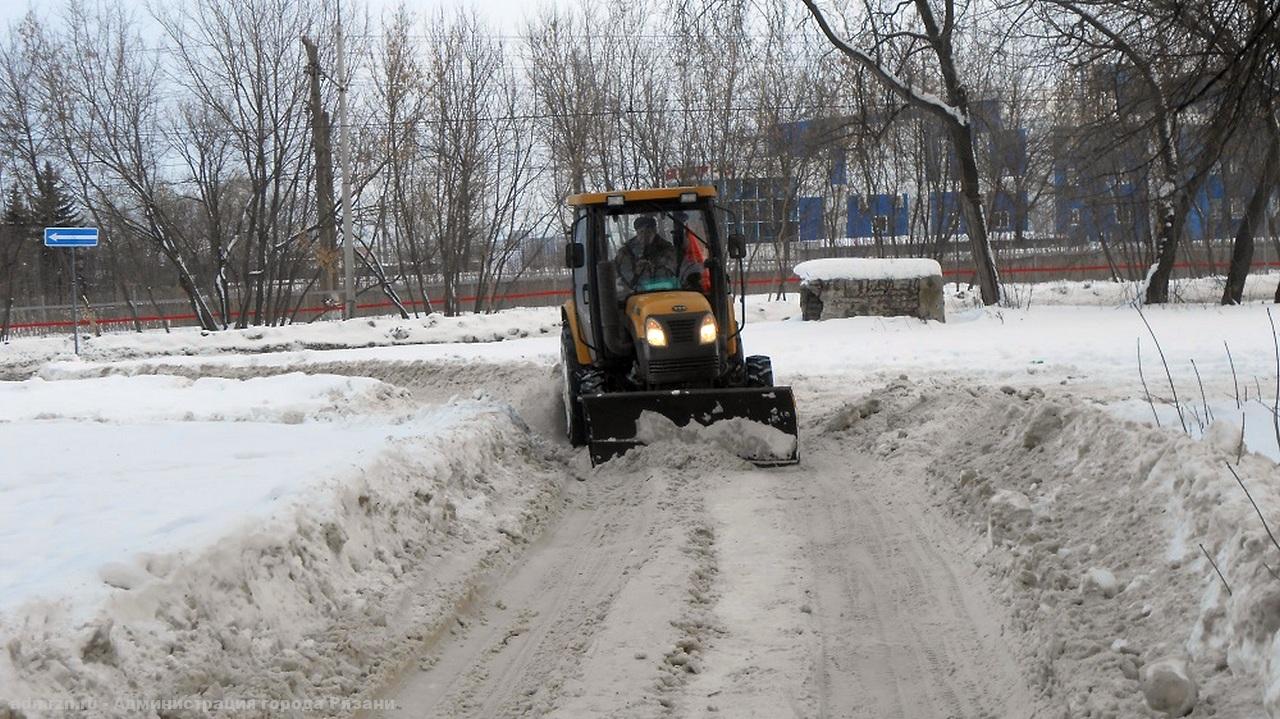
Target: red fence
{"type": "Point", "coordinates": [554, 296]}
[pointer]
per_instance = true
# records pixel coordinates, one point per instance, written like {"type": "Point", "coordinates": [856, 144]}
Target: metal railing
{"type": "Point", "coordinates": [549, 286]}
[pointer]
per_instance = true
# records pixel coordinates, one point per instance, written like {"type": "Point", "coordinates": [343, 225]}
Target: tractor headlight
{"type": "Point", "coordinates": [654, 334]}
{"type": "Point", "coordinates": [707, 333]}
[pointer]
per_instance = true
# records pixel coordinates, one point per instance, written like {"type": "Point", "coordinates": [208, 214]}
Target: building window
{"type": "Point", "coordinates": [1074, 217]}
{"type": "Point", "coordinates": [759, 204]}
{"type": "Point", "coordinates": [1124, 215]}
{"type": "Point", "coordinates": [1237, 208]}
{"type": "Point", "coordinates": [1000, 221]}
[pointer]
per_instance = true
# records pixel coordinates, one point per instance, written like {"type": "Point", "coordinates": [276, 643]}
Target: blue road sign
{"type": "Point", "coordinates": [70, 237]}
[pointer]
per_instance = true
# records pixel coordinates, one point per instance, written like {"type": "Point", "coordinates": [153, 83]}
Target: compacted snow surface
{"type": "Point", "coordinates": [379, 518]}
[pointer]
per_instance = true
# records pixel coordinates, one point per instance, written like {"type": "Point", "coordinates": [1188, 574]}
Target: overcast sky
{"type": "Point", "coordinates": [507, 15]}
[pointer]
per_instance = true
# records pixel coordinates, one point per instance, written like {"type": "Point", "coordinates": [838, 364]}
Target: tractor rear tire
{"type": "Point", "coordinates": [571, 372]}
{"type": "Point", "coordinates": [759, 371]}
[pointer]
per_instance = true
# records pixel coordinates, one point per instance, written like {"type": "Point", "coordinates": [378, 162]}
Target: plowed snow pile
{"type": "Point", "coordinates": [295, 599]}
{"type": "Point", "coordinates": [737, 436]}
{"type": "Point", "coordinates": [1096, 533]}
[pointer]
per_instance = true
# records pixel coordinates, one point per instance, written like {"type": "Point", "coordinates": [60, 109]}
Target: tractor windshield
{"type": "Point", "coordinates": [658, 250]}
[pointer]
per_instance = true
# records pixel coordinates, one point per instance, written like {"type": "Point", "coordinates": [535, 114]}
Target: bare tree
{"type": "Point", "coordinates": [894, 37]}
{"type": "Point", "coordinates": [102, 91]}
{"type": "Point", "coordinates": [464, 64]}
{"type": "Point", "coordinates": [1266, 177]}
{"type": "Point", "coordinates": [565, 78]}
{"type": "Point", "coordinates": [513, 173]}
{"type": "Point", "coordinates": [1171, 71]}
{"type": "Point", "coordinates": [401, 90]}
{"type": "Point", "coordinates": [240, 61]}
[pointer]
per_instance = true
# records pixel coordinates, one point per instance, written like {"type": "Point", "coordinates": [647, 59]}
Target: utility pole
{"type": "Point", "coordinates": [320, 135]}
{"type": "Point", "coordinates": [348, 252]}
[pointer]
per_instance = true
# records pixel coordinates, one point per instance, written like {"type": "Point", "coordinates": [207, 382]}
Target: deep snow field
{"type": "Point", "coordinates": [380, 518]}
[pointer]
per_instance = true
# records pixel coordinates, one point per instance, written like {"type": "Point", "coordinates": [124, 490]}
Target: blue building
{"type": "Point", "coordinates": [1007, 212]}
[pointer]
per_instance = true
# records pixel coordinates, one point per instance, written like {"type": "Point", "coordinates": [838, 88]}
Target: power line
{"type": "Point", "coordinates": [823, 111]}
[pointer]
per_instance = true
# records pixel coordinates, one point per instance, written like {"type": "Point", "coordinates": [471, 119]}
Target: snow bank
{"type": "Point", "coordinates": [315, 578]}
{"type": "Point", "coordinates": [1237, 430]}
{"type": "Point", "coordinates": [283, 398]}
{"type": "Point", "coordinates": [851, 268]}
{"type": "Point", "coordinates": [22, 356]}
{"type": "Point", "coordinates": [1259, 287]}
{"type": "Point", "coordinates": [1049, 345]}
{"type": "Point", "coordinates": [1101, 556]}
{"type": "Point", "coordinates": [129, 488]}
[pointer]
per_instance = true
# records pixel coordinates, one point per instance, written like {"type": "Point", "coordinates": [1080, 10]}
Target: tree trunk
{"type": "Point", "coordinates": [1160, 272]}
{"type": "Point", "coordinates": [133, 308]}
{"type": "Point", "coordinates": [1106, 251]}
{"type": "Point", "coordinates": [1254, 215]}
{"type": "Point", "coordinates": [90, 314]}
{"type": "Point", "coordinates": [8, 312]}
{"type": "Point", "coordinates": [155, 306]}
{"type": "Point", "coordinates": [971, 205]}
{"type": "Point", "coordinates": [1172, 223]}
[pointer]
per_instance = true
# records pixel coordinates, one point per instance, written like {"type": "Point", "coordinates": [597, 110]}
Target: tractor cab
{"type": "Point", "coordinates": [653, 297]}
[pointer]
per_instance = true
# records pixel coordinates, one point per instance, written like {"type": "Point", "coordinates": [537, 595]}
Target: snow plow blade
{"type": "Point", "coordinates": [612, 420]}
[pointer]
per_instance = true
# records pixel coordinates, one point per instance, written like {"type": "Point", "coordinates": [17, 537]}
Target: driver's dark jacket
{"type": "Point", "coordinates": [637, 265]}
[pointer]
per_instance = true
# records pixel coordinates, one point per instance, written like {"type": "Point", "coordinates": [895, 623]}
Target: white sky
{"type": "Point", "coordinates": [507, 15]}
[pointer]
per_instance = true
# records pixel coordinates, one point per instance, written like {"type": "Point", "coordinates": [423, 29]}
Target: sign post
{"type": "Point", "coordinates": [71, 238]}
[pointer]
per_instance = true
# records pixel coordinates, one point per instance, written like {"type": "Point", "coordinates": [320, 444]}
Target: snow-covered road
{"type": "Point", "coordinates": [978, 528]}
{"type": "Point", "coordinates": [686, 583]}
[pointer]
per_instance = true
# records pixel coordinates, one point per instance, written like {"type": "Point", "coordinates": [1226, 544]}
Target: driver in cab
{"type": "Point", "coordinates": [647, 261]}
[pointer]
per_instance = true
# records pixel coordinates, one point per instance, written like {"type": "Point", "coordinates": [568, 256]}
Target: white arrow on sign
{"type": "Point", "coordinates": [71, 236]}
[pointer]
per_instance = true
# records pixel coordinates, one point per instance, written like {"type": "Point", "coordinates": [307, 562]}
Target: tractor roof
{"type": "Point", "coordinates": [649, 195]}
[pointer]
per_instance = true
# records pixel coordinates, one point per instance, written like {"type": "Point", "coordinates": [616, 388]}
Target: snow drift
{"type": "Point", "coordinates": [313, 605]}
{"type": "Point", "coordinates": [1097, 532]}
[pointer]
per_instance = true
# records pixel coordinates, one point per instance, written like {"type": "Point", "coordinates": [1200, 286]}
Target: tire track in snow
{"type": "Point", "coordinates": [559, 634]}
{"type": "Point", "coordinates": [861, 673]}
{"type": "Point", "coordinates": [880, 574]}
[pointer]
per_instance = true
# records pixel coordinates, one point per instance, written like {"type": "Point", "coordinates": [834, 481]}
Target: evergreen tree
{"type": "Point", "coordinates": [15, 211]}
{"type": "Point", "coordinates": [15, 236]}
{"type": "Point", "coordinates": [49, 204]}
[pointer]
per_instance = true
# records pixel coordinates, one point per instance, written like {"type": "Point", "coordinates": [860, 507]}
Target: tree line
{"type": "Point", "coordinates": [201, 136]}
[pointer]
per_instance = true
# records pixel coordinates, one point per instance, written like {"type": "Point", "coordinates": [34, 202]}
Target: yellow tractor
{"type": "Point", "coordinates": [651, 327]}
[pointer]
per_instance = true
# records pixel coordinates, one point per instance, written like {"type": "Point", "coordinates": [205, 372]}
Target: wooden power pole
{"type": "Point", "coordinates": [327, 254]}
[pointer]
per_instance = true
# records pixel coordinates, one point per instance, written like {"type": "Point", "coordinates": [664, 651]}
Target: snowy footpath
{"type": "Point", "coordinates": [380, 519]}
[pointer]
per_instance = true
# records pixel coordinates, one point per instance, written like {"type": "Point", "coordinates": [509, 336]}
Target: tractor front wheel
{"type": "Point", "coordinates": [759, 371]}
{"type": "Point", "coordinates": [571, 388]}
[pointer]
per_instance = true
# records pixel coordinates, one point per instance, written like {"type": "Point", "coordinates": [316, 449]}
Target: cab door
{"type": "Point", "coordinates": [583, 279]}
